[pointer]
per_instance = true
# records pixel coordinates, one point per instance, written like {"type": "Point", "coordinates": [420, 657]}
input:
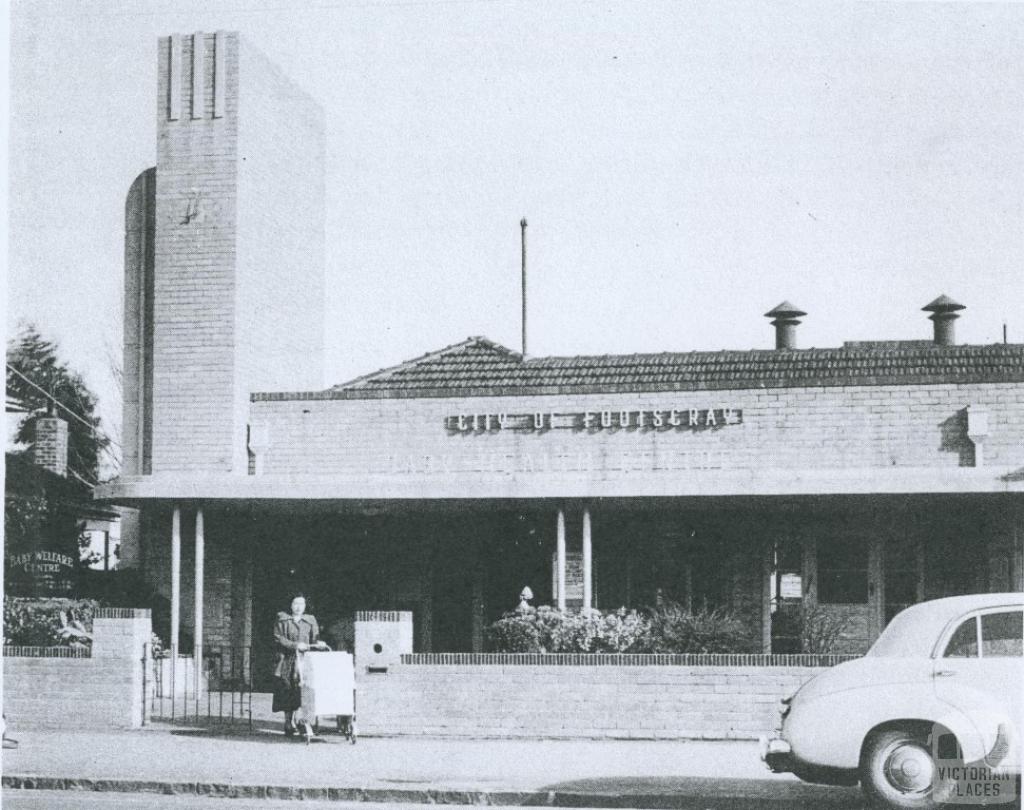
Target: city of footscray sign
{"type": "Point", "coordinates": [596, 420]}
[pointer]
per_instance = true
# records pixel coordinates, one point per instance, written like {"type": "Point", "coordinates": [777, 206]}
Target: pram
{"type": "Point", "coordinates": [329, 688]}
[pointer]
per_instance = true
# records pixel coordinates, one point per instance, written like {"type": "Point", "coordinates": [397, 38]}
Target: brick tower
{"type": "Point", "coordinates": [224, 256]}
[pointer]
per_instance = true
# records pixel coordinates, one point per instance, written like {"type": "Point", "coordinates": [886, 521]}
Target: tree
{"type": "Point", "coordinates": [44, 384]}
{"type": "Point", "coordinates": [44, 513]}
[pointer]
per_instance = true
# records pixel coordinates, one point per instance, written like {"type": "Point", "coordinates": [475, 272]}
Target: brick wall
{"type": "Point", "coordinates": [195, 256]}
{"type": "Point", "coordinates": [238, 290]}
{"type": "Point", "coordinates": [841, 428]}
{"type": "Point", "coordinates": [604, 702]}
{"type": "Point", "coordinates": [44, 688]}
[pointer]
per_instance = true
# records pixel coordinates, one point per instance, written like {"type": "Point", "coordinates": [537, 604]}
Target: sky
{"type": "Point", "coordinates": [684, 167]}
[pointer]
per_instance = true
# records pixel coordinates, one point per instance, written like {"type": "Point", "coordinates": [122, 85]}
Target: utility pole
{"type": "Point", "coordinates": [522, 227]}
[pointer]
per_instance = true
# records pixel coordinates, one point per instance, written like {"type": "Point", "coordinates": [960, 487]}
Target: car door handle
{"type": "Point", "coordinates": [943, 673]}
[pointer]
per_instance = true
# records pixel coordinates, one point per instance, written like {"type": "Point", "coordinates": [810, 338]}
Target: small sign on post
{"type": "Point", "coordinates": [573, 578]}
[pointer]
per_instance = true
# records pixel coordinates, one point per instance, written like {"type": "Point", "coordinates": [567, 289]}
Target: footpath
{"type": "Point", "coordinates": [263, 764]}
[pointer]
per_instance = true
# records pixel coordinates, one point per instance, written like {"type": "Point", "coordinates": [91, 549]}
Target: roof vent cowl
{"type": "Point", "coordinates": [786, 319]}
{"type": "Point", "coordinates": [944, 314]}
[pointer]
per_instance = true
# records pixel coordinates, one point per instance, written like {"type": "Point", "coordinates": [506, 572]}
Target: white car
{"type": "Point", "coordinates": [930, 715]}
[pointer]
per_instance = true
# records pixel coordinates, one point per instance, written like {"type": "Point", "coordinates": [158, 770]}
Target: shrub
{"type": "Point", "coordinates": [674, 629]}
{"type": "Point", "coordinates": [517, 632]}
{"type": "Point", "coordinates": [667, 628]}
{"type": "Point", "coordinates": [820, 629]}
{"type": "Point", "coordinates": [37, 622]}
{"type": "Point", "coordinates": [617, 631]}
{"type": "Point", "coordinates": [547, 630]}
{"type": "Point", "coordinates": [622, 631]}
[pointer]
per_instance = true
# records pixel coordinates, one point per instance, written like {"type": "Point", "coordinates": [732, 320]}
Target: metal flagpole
{"type": "Point", "coordinates": [522, 227]}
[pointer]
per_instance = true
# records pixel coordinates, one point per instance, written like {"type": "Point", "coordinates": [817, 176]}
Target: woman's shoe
{"type": "Point", "coordinates": [289, 730]}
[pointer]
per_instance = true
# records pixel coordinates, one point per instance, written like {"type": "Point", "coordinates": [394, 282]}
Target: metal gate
{"type": "Point", "coordinates": [217, 692]}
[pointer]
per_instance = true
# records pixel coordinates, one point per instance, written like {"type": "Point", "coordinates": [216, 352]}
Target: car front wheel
{"type": "Point", "coordinates": [898, 770]}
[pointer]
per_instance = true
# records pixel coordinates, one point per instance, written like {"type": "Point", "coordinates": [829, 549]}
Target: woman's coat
{"type": "Point", "coordinates": [288, 634]}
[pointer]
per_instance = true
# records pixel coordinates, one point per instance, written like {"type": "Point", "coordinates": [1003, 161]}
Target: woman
{"type": "Point", "coordinates": [294, 634]}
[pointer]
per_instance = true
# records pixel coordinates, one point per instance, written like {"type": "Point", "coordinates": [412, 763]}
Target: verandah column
{"type": "Point", "coordinates": [560, 563]}
{"type": "Point", "coordinates": [197, 650]}
{"type": "Point", "coordinates": [477, 599]}
{"type": "Point", "coordinates": [175, 580]}
{"type": "Point", "coordinates": [588, 567]}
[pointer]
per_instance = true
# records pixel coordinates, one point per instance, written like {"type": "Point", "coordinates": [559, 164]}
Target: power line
{"type": "Point", "coordinates": [61, 405]}
{"type": "Point", "coordinates": [304, 9]}
{"type": "Point", "coordinates": [82, 478]}
{"type": "Point", "coordinates": [53, 399]}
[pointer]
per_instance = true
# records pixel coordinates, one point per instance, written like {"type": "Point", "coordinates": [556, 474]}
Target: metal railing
{"type": "Point", "coordinates": [217, 691]}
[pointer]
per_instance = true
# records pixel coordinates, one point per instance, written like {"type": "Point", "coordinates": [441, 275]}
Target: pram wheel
{"type": "Point", "coordinates": [347, 727]}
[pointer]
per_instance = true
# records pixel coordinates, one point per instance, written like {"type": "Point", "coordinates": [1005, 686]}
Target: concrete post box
{"type": "Point", "coordinates": [382, 637]}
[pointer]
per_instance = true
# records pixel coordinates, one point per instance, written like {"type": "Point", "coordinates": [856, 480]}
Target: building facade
{"type": "Point", "coordinates": [857, 479]}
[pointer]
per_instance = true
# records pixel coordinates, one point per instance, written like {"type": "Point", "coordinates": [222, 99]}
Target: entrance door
{"type": "Point", "coordinates": [846, 589]}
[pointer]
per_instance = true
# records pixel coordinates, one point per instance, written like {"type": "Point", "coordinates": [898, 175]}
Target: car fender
{"type": "Point", "coordinates": [829, 729]}
{"type": "Point", "coordinates": [995, 740]}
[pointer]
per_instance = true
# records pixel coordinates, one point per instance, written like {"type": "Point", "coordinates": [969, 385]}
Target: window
{"type": "Point", "coordinates": [1002, 634]}
{"type": "Point", "coordinates": [842, 572]}
{"type": "Point", "coordinates": [964, 643]}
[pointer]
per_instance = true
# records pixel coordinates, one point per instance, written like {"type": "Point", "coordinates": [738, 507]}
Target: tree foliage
{"type": "Point", "coordinates": [34, 358]}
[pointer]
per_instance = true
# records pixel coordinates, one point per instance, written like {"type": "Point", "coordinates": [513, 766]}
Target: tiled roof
{"type": "Point", "coordinates": [479, 367]}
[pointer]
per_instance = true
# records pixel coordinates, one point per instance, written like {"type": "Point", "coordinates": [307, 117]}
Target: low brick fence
{"type": "Point", "coordinates": [101, 688]}
{"type": "Point", "coordinates": [711, 697]}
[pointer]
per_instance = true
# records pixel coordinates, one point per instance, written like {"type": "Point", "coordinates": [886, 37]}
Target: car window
{"type": "Point", "coordinates": [1002, 634]}
{"type": "Point", "coordinates": [964, 642]}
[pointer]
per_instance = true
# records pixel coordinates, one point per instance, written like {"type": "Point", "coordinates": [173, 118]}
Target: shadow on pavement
{"type": "Point", "coordinates": [270, 736]}
{"type": "Point", "coordinates": [682, 793]}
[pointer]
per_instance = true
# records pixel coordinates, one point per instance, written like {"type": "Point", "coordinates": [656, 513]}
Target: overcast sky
{"type": "Point", "coordinates": [684, 167]}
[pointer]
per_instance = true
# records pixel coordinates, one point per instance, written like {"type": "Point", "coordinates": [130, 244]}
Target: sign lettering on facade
{"type": "Point", "coordinates": [596, 421]}
{"type": "Point", "coordinates": [41, 572]}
